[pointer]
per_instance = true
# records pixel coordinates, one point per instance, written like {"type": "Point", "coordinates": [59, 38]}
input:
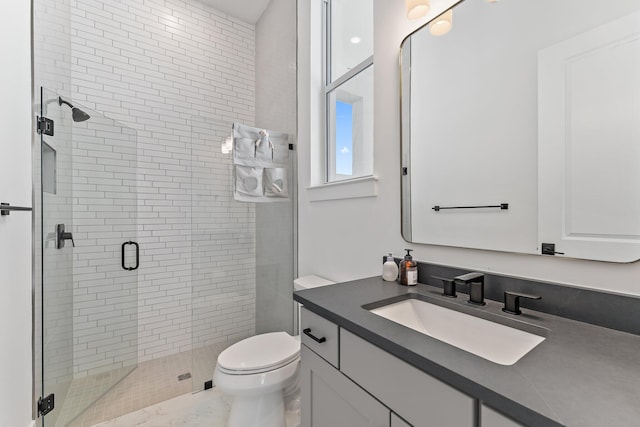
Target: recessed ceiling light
{"type": "Point", "coordinates": [355, 40]}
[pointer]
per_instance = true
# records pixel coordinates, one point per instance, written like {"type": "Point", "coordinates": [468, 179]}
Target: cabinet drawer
{"type": "Point", "coordinates": [491, 418]}
{"type": "Point", "coordinates": [314, 326]}
{"type": "Point", "coordinates": [396, 421]}
{"type": "Point", "coordinates": [417, 397]}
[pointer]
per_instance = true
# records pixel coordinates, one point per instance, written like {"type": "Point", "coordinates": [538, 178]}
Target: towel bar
{"type": "Point", "coordinates": [502, 206]}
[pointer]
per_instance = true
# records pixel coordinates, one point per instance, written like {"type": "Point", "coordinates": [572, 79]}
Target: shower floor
{"type": "Point", "coordinates": [151, 382]}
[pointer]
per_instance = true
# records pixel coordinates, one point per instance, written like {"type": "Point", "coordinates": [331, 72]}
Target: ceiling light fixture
{"type": "Point", "coordinates": [417, 8]}
{"type": "Point", "coordinates": [355, 40]}
{"type": "Point", "coordinates": [442, 24]}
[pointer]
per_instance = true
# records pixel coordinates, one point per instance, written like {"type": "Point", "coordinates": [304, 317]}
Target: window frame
{"type": "Point", "coordinates": [330, 176]}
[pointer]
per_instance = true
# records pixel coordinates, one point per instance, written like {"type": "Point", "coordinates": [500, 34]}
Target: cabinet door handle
{"type": "Point", "coordinates": [308, 333]}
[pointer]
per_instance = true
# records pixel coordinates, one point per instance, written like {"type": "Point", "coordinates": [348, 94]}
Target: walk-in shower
{"type": "Point", "coordinates": [167, 269]}
{"type": "Point", "coordinates": [118, 281]}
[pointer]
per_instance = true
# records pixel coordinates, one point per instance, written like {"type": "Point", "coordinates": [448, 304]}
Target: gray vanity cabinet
{"type": "Point", "coordinates": [329, 399]}
{"type": "Point", "coordinates": [369, 384]}
{"type": "Point", "coordinates": [491, 418]}
{"type": "Point", "coordinates": [418, 398]}
{"type": "Point", "coordinates": [396, 421]}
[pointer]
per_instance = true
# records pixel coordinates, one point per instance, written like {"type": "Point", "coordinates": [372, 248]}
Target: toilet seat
{"type": "Point", "coordinates": [258, 354]}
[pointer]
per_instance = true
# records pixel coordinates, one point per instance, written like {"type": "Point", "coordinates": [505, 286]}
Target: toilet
{"type": "Point", "coordinates": [261, 374]}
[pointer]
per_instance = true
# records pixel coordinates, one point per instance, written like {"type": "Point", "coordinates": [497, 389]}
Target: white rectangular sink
{"type": "Point", "coordinates": [492, 341]}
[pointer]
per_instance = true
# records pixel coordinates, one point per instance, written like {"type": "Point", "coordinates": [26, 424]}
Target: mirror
{"type": "Point", "coordinates": [521, 127]}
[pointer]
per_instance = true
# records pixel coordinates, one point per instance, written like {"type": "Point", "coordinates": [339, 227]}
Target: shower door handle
{"type": "Point", "coordinates": [124, 245]}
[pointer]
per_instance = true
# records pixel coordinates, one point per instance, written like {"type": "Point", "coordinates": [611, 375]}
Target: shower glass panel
{"type": "Point", "coordinates": [89, 285]}
{"type": "Point", "coordinates": [242, 254]}
{"type": "Point", "coordinates": [57, 264]}
{"type": "Point", "coordinates": [223, 252]}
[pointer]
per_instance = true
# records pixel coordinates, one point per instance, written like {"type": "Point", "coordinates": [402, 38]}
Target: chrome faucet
{"type": "Point", "coordinates": [475, 281]}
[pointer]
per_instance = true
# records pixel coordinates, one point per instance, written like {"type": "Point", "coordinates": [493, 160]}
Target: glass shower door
{"type": "Point", "coordinates": [90, 257]}
{"type": "Point", "coordinates": [57, 260]}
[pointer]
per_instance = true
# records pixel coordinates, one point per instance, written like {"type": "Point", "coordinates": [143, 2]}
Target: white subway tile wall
{"type": "Point", "coordinates": [105, 300]}
{"type": "Point", "coordinates": [224, 241]}
{"type": "Point", "coordinates": [158, 66]}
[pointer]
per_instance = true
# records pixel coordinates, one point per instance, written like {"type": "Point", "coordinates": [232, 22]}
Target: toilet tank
{"type": "Point", "coordinates": [300, 284]}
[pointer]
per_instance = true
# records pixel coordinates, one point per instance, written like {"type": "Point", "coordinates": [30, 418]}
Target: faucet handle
{"type": "Point", "coordinates": [61, 236]}
{"type": "Point", "coordinates": [512, 301]}
{"type": "Point", "coordinates": [449, 286]}
{"type": "Point", "coordinates": [475, 280]}
{"type": "Point", "coordinates": [474, 276]}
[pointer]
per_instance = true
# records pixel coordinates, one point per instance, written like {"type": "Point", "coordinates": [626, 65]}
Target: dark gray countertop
{"type": "Point", "coordinates": [581, 375]}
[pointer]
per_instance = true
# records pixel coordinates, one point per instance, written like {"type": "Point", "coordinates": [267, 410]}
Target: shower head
{"type": "Point", "coordinates": [77, 114]}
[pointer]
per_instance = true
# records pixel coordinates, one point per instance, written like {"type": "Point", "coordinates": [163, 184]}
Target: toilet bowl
{"type": "Point", "coordinates": [261, 374]}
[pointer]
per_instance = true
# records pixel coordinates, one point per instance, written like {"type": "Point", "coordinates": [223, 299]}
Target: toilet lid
{"type": "Point", "coordinates": [260, 352]}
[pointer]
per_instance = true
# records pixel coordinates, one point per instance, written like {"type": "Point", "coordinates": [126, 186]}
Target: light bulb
{"type": "Point", "coordinates": [417, 8]}
{"type": "Point", "coordinates": [442, 24]}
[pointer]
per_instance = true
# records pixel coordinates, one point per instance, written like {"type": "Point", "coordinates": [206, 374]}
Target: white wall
{"type": "Point", "coordinates": [345, 239]}
{"type": "Point", "coordinates": [15, 230]}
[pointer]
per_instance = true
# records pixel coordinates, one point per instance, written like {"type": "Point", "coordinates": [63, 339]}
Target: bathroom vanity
{"type": "Point", "coordinates": [360, 369]}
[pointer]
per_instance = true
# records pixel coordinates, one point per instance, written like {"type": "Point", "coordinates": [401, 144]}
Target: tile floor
{"type": "Point", "coordinates": [150, 383]}
{"type": "Point", "coordinates": [206, 408]}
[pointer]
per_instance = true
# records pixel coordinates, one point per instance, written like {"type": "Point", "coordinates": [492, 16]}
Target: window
{"type": "Point", "coordinates": [344, 138]}
{"type": "Point", "coordinates": [348, 89]}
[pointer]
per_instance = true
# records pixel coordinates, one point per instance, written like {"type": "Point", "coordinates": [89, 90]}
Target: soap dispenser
{"type": "Point", "coordinates": [389, 269]}
{"type": "Point", "coordinates": [408, 270]}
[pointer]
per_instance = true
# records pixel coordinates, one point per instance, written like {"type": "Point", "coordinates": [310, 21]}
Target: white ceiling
{"type": "Point", "coordinates": [245, 10]}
